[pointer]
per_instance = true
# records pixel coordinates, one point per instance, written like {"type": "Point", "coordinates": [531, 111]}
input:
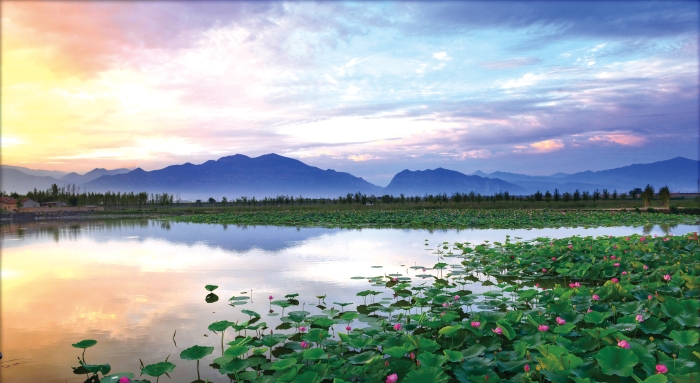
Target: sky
{"type": "Point", "coordinates": [369, 88]}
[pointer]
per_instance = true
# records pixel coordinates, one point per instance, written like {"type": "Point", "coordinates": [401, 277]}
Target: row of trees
{"type": "Point", "coordinates": [647, 195]}
{"type": "Point", "coordinates": [73, 196]}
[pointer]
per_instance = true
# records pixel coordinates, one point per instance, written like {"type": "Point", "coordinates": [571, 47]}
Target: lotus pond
{"type": "Point", "coordinates": [150, 300]}
{"type": "Point", "coordinates": [443, 218]}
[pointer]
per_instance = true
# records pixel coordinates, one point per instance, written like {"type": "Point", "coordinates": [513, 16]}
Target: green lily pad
{"type": "Point", "coordinates": [85, 343]}
{"type": "Point", "coordinates": [211, 287]}
{"type": "Point", "coordinates": [196, 352]}
{"type": "Point", "coordinates": [157, 369]}
{"type": "Point", "coordinates": [314, 354]}
{"type": "Point", "coordinates": [616, 360]}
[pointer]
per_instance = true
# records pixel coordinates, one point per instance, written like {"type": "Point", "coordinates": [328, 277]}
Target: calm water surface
{"type": "Point", "coordinates": [131, 284]}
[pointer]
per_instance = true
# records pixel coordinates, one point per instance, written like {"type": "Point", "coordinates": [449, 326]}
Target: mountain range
{"type": "Point", "coordinates": [272, 174]}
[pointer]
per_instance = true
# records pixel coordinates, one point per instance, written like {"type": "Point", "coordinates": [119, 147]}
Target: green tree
{"type": "Point", "coordinates": [54, 191]}
{"type": "Point", "coordinates": [665, 196]}
{"type": "Point", "coordinates": [223, 202]}
{"type": "Point", "coordinates": [19, 204]}
{"type": "Point", "coordinates": [547, 196]}
{"type": "Point", "coordinates": [557, 195]}
{"type": "Point", "coordinates": [648, 195]}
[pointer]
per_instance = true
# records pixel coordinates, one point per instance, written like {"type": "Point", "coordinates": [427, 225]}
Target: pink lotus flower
{"type": "Point", "coordinates": [667, 277]}
{"type": "Point", "coordinates": [596, 297]}
{"type": "Point", "coordinates": [394, 279]}
{"type": "Point", "coordinates": [589, 311]}
{"type": "Point", "coordinates": [304, 344]}
{"type": "Point", "coordinates": [554, 258]}
{"type": "Point", "coordinates": [614, 246]}
{"type": "Point", "coordinates": [527, 368]}
{"type": "Point", "coordinates": [124, 379]}
{"type": "Point", "coordinates": [572, 285]}
{"type": "Point", "coordinates": [655, 235]}
{"type": "Point", "coordinates": [627, 239]}
{"type": "Point", "coordinates": [412, 355]}
{"type": "Point", "coordinates": [639, 318]}
{"type": "Point", "coordinates": [614, 280]}
{"type": "Point", "coordinates": [270, 297]}
{"type": "Point", "coordinates": [476, 324]}
{"type": "Point", "coordinates": [661, 369]}
{"type": "Point", "coordinates": [544, 270]}
{"type": "Point", "coordinates": [445, 304]}
{"type": "Point", "coordinates": [560, 321]}
{"type": "Point", "coordinates": [543, 328]}
{"type": "Point", "coordinates": [570, 246]}
{"type": "Point", "coordinates": [616, 264]}
{"type": "Point", "coordinates": [613, 257]}
{"type": "Point", "coordinates": [577, 284]}
{"type": "Point", "coordinates": [386, 363]}
{"type": "Point", "coordinates": [397, 326]}
{"type": "Point", "coordinates": [624, 273]}
{"type": "Point", "coordinates": [537, 285]}
{"type": "Point", "coordinates": [649, 297]}
{"type": "Point", "coordinates": [642, 239]}
{"type": "Point", "coordinates": [348, 328]}
{"type": "Point", "coordinates": [497, 331]}
{"type": "Point", "coordinates": [623, 344]}
{"type": "Point", "coordinates": [391, 378]}
{"type": "Point", "coordinates": [645, 267]}
{"type": "Point", "coordinates": [456, 297]}
{"type": "Point", "coordinates": [302, 329]}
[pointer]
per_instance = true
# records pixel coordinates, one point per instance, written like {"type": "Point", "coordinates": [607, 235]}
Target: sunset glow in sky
{"type": "Point", "coordinates": [368, 88]}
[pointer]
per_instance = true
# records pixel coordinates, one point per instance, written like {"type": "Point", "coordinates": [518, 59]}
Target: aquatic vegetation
{"type": "Point", "coordinates": [557, 310]}
{"type": "Point", "coordinates": [441, 218]}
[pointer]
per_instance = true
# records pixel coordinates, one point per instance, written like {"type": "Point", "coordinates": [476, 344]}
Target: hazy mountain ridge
{"type": "Point", "coordinates": [238, 175]}
{"type": "Point", "coordinates": [272, 174]}
{"type": "Point", "coordinates": [439, 181]}
{"type": "Point", "coordinates": [78, 179]}
{"type": "Point", "coordinates": [679, 174]}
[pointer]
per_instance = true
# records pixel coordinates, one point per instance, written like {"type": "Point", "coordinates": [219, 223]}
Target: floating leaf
{"type": "Point", "coordinates": [157, 369]}
{"type": "Point", "coordinates": [85, 343]}
{"type": "Point", "coordinates": [196, 352]}
{"type": "Point", "coordinates": [616, 360]}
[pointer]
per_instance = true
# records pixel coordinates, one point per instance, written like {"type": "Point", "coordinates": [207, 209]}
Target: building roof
{"type": "Point", "coordinates": [8, 200]}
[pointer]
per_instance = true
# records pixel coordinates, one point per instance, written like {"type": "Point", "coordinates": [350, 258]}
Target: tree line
{"type": "Point", "coordinates": [72, 195]}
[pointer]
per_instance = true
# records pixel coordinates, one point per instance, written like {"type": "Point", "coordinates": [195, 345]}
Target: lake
{"type": "Point", "coordinates": [133, 284]}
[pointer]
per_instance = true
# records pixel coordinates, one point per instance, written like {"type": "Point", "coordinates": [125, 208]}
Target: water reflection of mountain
{"type": "Point", "coordinates": [239, 238]}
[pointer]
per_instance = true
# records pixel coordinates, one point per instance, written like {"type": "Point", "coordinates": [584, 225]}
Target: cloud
{"type": "Point", "coordinates": [7, 141]}
{"type": "Point", "coordinates": [363, 157]}
{"type": "Point", "coordinates": [482, 153]}
{"type": "Point", "coordinates": [620, 139]}
{"type": "Point", "coordinates": [548, 145]}
{"type": "Point", "coordinates": [511, 63]}
{"type": "Point", "coordinates": [528, 79]}
{"type": "Point", "coordinates": [441, 56]}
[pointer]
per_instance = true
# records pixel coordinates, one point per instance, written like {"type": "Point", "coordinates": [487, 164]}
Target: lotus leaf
{"type": "Point", "coordinates": [196, 352]}
{"type": "Point", "coordinates": [616, 360]}
{"type": "Point", "coordinates": [158, 369]}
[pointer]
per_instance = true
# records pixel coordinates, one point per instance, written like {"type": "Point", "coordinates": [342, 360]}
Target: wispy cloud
{"type": "Point", "coordinates": [158, 83]}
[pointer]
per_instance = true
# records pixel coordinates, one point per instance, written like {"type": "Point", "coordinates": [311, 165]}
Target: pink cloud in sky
{"type": "Point", "coordinates": [621, 139]}
{"type": "Point", "coordinates": [548, 145]}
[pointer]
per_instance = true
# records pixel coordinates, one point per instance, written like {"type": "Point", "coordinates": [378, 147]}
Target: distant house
{"type": "Point", "coordinates": [26, 202]}
{"type": "Point", "coordinates": [54, 204]}
{"type": "Point", "coordinates": [8, 204]}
